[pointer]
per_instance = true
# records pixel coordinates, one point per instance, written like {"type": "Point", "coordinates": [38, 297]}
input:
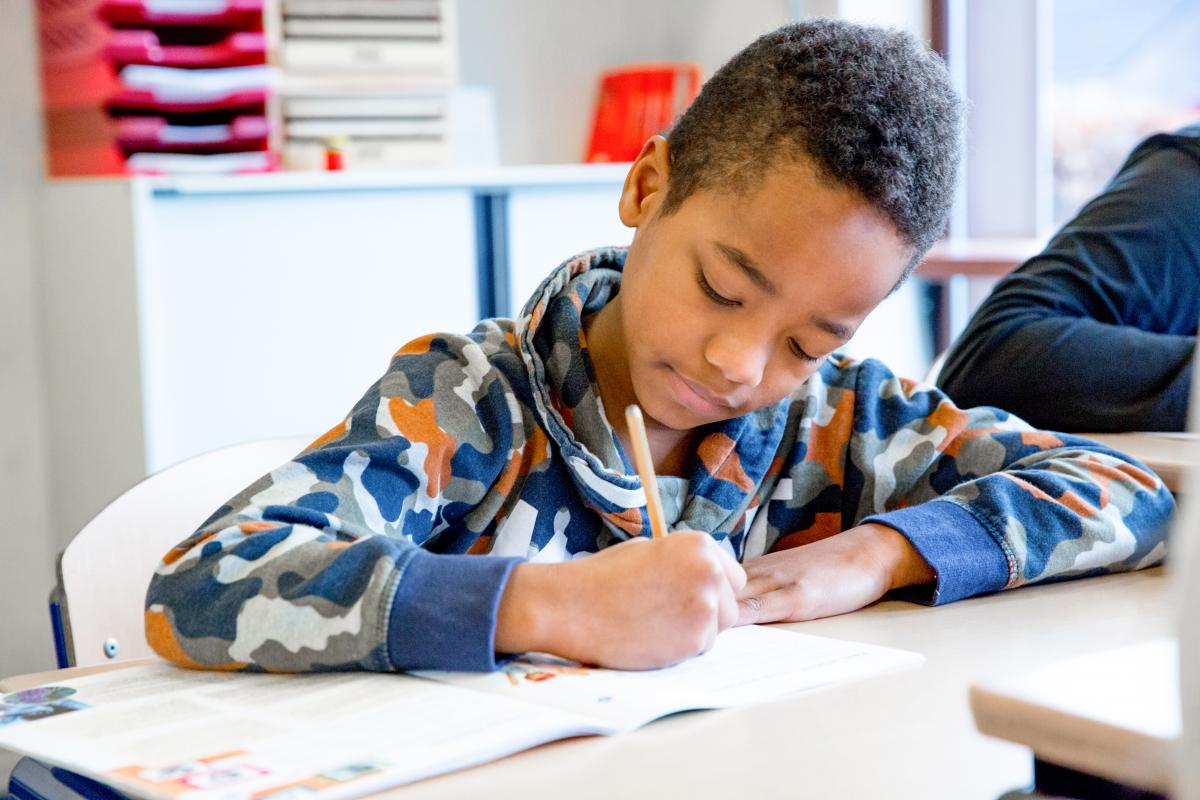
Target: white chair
{"type": "Point", "coordinates": [98, 605]}
{"type": "Point", "coordinates": [935, 369]}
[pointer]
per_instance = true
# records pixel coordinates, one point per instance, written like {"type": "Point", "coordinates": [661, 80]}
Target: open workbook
{"type": "Point", "coordinates": [158, 731]}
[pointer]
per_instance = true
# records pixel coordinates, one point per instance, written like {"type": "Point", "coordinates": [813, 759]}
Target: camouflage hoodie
{"type": "Point", "coordinates": [386, 544]}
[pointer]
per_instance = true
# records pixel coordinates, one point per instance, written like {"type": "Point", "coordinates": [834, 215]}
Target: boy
{"type": "Point", "coordinates": [479, 500]}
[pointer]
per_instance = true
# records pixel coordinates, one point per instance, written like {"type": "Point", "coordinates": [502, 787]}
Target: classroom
{"type": "Point", "coordinates": [876, 480]}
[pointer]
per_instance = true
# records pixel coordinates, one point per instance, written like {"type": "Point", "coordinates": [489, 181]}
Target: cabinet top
{"type": "Point", "coordinates": [476, 178]}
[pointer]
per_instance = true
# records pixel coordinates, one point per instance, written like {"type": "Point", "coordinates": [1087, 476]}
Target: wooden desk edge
{"type": "Point", "coordinates": [18, 682]}
{"type": "Point", "coordinates": [977, 257]}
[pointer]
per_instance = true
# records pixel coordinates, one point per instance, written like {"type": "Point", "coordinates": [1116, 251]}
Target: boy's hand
{"type": "Point", "coordinates": [832, 576]}
{"type": "Point", "coordinates": [640, 604]}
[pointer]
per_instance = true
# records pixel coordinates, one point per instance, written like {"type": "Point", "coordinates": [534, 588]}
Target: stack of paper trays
{"type": "Point", "coordinates": [367, 77]}
{"type": "Point", "coordinates": [398, 37]}
{"type": "Point", "coordinates": [193, 81]}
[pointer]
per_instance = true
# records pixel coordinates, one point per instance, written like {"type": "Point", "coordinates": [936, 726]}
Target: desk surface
{"type": "Point", "coordinates": [907, 735]}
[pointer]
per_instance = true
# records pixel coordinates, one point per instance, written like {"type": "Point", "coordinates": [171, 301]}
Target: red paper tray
{"type": "Point", "coordinates": [229, 14]}
{"type": "Point", "coordinates": [145, 47]}
{"type": "Point", "coordinates": [156, 135]}
{"type": "Point", "coordinates": [145, 101]}
{"type": "Point", "coordinates": [149, 163]}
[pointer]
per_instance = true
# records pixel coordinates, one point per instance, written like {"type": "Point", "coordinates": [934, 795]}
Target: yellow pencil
{"type": "Point", "coordinates": [645, 468]}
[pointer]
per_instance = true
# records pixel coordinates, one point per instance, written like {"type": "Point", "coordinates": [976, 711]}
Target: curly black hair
{"type": "Point", "coordinates": [871, 109]}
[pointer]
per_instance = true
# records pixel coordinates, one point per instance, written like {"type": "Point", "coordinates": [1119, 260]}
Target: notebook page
{"type": "Point", "coordinates": [751, 664]}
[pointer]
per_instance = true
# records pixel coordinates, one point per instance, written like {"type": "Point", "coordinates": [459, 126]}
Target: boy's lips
{"type": "Point", "coordinates": [695, 397]}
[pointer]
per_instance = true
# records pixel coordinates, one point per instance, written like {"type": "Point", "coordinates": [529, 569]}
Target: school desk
{"type": "Point", "coordinates": [903, 735]}
{"type": "Point", "coordinates": [1103, 725]}
{"type": "Point", "coordinates": [963, 271]}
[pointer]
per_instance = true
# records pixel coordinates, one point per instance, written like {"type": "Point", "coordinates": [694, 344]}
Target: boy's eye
{"type": "Point", "coordinates": [799, 353]}
{"type": "Point", "coordinates": [721, 299]}
{"type": "Point", "coordinates": [712, 293]}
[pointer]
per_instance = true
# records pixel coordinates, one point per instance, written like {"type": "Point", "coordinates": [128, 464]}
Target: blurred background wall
{"type": "Point", "coordinates": [26, 546]}
{"type": "Point", "coordinates": [25, 543]}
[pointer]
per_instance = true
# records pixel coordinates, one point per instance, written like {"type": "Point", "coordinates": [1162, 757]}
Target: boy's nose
{"type": "Point", "coordinates": [740, 359]}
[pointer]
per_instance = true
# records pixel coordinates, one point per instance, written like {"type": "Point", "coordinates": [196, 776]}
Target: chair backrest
{"type": "Point", "coordinates": [935, 369]}
{"type": "Point", "coordinates": [103, 573]}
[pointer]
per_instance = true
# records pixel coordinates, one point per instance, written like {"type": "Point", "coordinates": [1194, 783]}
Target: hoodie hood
{"type": "Point", "coordinates": [736, 462]}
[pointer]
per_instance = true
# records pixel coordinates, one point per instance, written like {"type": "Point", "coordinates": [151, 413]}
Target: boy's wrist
{"type": "Point", "coordinates": [528, 609]}
{"type": "Point", "coordinates": [903, 564]}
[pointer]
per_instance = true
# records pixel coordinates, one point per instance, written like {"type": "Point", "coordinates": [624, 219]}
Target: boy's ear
{"type": "Point", "coordinates": [646, 184]}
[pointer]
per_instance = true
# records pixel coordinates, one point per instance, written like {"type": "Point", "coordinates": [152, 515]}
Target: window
{"type": "Point", "coordinates": [1121, 71]}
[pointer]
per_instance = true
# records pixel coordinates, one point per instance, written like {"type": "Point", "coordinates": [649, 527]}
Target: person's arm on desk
{"type": "Point", "coordinates": [894, 487]}
{"type": "Point", "coordinates": [1097, 332]}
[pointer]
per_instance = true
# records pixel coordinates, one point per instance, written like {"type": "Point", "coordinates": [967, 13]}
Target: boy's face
{"type": "Point", "coordinates": [731, 303]}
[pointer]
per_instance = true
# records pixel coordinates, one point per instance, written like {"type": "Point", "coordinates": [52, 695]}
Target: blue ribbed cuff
{"type": "Point", "coordinates": [444, 612]}
{"type": "Point", "coordinates": [966, 557]}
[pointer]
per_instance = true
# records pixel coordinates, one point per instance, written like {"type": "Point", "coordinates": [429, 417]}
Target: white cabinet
{"type": "Point", "coordinates": [545, 231]}
{"type": "Point", "coordinates": [269, 314]}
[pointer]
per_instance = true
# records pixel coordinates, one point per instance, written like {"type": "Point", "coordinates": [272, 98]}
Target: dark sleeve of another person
{"type": "Point", "coordinates": [1096, 333]}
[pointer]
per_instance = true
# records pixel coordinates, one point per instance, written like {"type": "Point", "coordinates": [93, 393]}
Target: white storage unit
{"type": "Point", "coordinates": [544, 231]}
{"type": "Point", "coordinates": [369, 77]}
{"type": "Point", "coordinates": [244, 335]}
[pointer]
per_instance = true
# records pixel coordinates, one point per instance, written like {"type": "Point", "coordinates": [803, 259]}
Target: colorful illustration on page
{"type": "Point", "coordinates": [313, 785]}
{"type": "Point", "coordinates": [540, 667]}
{"type": "Point", "coordinates": [235, 773]}
{"type": "Point", "coordinates": [34, 704]}
{"type": "Point", "coordinates": [223, 771]}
